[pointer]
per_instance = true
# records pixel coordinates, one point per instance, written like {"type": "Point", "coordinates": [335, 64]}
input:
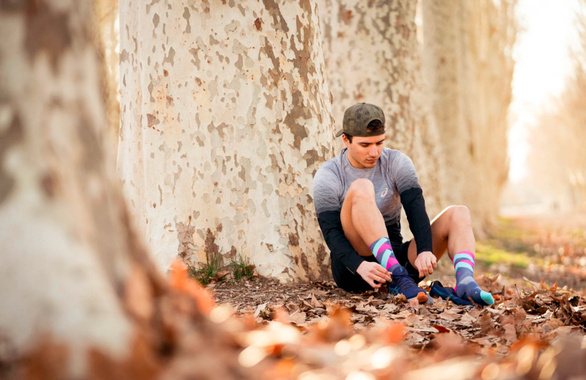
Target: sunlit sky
{"type": "Point", "coordinates": [542, 64]}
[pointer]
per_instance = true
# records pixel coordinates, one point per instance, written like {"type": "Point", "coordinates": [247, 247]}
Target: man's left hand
{"type": "Point", "coordinates": [425, 263]}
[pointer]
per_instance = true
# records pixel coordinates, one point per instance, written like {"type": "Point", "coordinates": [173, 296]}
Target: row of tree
{"type": "Point", "coordinates": [227, 111]}
{"type": "Point", "coordinates": [557, 158]}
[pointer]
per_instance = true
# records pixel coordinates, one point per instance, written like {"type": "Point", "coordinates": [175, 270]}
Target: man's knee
{"type": "Point", "coordinates": [361, 189]}
{"type": "Point", "coordinates": [459, 214]}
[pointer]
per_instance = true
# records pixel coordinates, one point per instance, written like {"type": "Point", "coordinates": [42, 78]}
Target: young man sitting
{"type": "Point", "coordinates": [358, 197]}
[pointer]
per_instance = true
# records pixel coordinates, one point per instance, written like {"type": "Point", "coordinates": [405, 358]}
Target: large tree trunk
{"type": "Point", "coordinates": [58, 199]}
{"type": "Point", "coordinates": [225, 119]}
{"type": "Point", "coordinates": [468, 63]}
{"type": "Point", "coordinates": [372, 54]}
{"type": "Point", "coordinates": [80, 297]}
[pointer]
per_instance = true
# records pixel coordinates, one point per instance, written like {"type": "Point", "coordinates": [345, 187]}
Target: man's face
{"type": "Point", "coordinates": [364, 152]}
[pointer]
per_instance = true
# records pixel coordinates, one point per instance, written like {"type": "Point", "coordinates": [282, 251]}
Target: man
{"type": "Point", "coordinates": [358, 197]}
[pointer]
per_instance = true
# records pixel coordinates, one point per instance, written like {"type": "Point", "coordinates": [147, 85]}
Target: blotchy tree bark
{"type": "Point", "coordinates": [372, 55]}
{"type": "Point", "coordinates": [58, 203]}
{"type": "Point", "coordinates": [80, 296]}
{"type": "Point", "coordinates": [225, 119]}
{"type": "Point", "coordinates": [469, 68]}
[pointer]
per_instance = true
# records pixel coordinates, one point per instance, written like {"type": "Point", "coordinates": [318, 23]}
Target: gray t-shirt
{"type": "Point", "coordinates": [394, 173]}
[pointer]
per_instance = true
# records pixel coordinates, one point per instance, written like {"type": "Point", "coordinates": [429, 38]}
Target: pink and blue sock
{"type": "Point", "coordinates": [383, 252]}
{"type": "Point", "coordinates": [403, 283]}
{"type": "Point", "coordinates": [466, 287]}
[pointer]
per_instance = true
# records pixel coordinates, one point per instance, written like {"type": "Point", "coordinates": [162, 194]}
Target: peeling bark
{"type": "Point", "coordinates": [372, 55]}
{"type": "Point", "coordinates": [81, 298]}
{"type": "Point", "coordinates": [225, 119]}
{"type": "Point", "coordinates": [58, 203]}
{"type": "Point", "coordinates": [469, 68]}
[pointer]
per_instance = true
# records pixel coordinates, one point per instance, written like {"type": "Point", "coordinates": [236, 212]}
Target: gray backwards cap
{"type": "Point", "coordinates": [357, 117]}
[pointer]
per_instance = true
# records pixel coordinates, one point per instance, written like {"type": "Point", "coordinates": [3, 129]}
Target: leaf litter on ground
{"type": "Point", "coordinates": [340, 333]}
{"type": "Point", "coordinates": [314, 330]}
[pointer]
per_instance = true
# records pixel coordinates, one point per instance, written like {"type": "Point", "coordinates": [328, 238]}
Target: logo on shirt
{"type": "Point", "coordinates": [385, 192]}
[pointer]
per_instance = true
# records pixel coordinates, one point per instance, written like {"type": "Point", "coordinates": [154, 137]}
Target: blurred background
{"type": "Point", "coordinates": [547, 117]}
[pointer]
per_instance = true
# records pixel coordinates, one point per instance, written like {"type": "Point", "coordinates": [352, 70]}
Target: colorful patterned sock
{"type": "Point", "coordinates": [383, 252]}
{"type": "Point", "coordinates": [466, 287]}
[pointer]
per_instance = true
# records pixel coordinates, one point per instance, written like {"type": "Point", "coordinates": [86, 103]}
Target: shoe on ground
{"type": "Point", "coordinates": [404, 284]}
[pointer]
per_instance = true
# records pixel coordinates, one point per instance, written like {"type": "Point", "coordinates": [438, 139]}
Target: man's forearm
{"type": "Point", "coordinates": [331, 227]}
{"type": "Point", "coordinates": [419, 224]}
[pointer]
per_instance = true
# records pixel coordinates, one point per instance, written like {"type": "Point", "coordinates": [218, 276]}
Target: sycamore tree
{"type": "Point", "coordinates": [373, 55]}
{"type": "Point", "coordinates": [80, 297]}
{"type": "Point", "coordinates": [225, 117]}
{"type": "Point", "coordinates": [468, 65]}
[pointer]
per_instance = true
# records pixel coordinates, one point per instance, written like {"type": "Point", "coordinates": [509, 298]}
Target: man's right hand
{"type": "Point", "coordinates": [371, 272]}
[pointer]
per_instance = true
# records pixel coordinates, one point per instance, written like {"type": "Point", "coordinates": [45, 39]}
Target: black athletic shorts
{"type": "Point", "coordinates": [352, 282]}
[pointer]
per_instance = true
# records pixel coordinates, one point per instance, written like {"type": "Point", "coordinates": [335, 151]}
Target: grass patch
{"type": "Point", "coordinates": [242, 268]}
{"type": "Point", "coordinates": [507, 229]}
{"type": "Point", "coordinates": [510, 238]}
{"type": "Point", "coordinates": [207, 271]}
{"type": "Point", "coordinates": [214, 270]}
{"type": "Point", "coordinates": [489, 255]}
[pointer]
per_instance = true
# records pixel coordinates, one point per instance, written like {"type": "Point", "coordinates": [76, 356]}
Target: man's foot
{"type": "Point", "coordinates": [466, 288]}
{"type": "Point", "coordinates": [471, 290]}
{"type": "Point", "coordinates": [406, 286]}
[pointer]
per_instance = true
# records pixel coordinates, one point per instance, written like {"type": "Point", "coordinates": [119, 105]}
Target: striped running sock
{"type": "Point", "coordinates": [383, 252]}
{"type": "Point", "coordinates": [402, 281]}
{"type": "Point", "coordinates": [466, 287]}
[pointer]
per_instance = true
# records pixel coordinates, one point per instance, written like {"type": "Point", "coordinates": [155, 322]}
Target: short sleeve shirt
{"type": "Point", "coordinates": [394, 173]}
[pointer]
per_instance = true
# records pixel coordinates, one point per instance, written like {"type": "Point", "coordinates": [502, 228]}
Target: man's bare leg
{"type": "Point", "coordinates": [365, 228]}
{"type": "Point", "coordinates": [452, 231]}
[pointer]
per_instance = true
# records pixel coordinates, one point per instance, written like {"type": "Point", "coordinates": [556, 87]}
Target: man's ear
{"type": "Point", "coordinates": [345, 140]}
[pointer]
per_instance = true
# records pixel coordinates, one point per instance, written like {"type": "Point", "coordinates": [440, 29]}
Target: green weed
{"type": "Point", "coordinates": [213, 270]}
{"type": "Point", "coordinates": [241, 268]}
{"type": "Point", "coordinates": [207, 271]}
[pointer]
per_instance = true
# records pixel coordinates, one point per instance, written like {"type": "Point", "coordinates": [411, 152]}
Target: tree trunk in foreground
{"type": "Point", "coordinates": [225, 119]}
{"type": "Point", "coordinates": [80, 298]}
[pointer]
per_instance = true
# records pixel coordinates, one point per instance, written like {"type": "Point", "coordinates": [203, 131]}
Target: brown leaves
{"type": "Point", "coordinates": [285, 331]}
{"type": "Point", "coordinates": [334, 328]}
{"type": "Point", "coordinates": [180, 281]}
{"type": "Point", "coordinates": [315, 329]}
{"type": "Point", "coordinates": [552, 305]}
{"type": "Point", "coordinates": [450, 345]}
{"type": "Point", "coordinates": [394, 333]}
